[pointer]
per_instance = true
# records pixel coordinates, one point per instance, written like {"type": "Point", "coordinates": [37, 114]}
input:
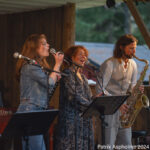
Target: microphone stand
{"type": "Point", "coordinates": [72, 62]}
{"type": "Point", "coordinates": [44, 68]}
{"type": "Point", "coordinates": [76, 67]}
{"type": "Point", "coordinates": [101, 117]}
{"type": "Point", "coordinates": [76, 128]}
{"type": "Point", "coordinates": [98, 81]}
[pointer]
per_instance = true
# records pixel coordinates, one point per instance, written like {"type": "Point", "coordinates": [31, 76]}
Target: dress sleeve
{"type": "Point", "coordinates": [104, 76]}
{"type": "Point", "coordinates": [73, 94]}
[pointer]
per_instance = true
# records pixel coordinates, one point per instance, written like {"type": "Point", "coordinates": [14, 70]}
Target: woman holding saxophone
{"type": "Point", "coordinates": [118, 76]}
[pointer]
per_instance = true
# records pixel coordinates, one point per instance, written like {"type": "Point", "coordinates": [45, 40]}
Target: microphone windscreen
{"type": "Point", "coordinates": [16, 55]}
{"type": "Point", "coordinates": [52, 50]}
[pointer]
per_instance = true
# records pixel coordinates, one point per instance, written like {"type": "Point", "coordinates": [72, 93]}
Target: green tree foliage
{"type": "Point", "coordinates": [101, 24]}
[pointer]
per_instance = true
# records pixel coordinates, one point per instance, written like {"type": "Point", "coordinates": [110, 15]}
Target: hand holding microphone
{"type": "Point", "coordinates": [67, 60]}
{"type": "Point", "coordinates": [59, 56]}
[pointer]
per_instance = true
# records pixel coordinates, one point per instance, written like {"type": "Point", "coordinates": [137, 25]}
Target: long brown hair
{"type": "Point", "coordinates": [29, 49]}
{"type": "Point", "coordinates": [72, 51]}
{"type": "Point", "coordinates": [123, 41]}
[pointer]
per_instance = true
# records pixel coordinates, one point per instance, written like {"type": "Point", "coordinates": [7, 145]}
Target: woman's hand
{"type": "Point", "coordinates": [98, 95]}
{"type": "Point", "coordinates": [58, 76]}
{"type": "Point", "coordinates": [124, 108]}
{"type": "Point", "coordinates": [58, 62]}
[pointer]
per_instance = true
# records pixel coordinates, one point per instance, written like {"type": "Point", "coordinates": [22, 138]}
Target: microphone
{"type": "Point", "coordinates": [91, 65]}
{"type": "Point", "coordinates": [19, 56]}
{"type": "Point", "coordinates": [33, 62]}
{"type": "Point", "coordinates": [53, 51]}
{"type": "Point", "coordinates": [67, 60]}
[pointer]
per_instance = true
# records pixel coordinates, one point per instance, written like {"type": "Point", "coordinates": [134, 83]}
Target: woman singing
{"type": "Point", "coordinates": [74, 132]}
{"type": "Point", "coordinates": [35, 83]}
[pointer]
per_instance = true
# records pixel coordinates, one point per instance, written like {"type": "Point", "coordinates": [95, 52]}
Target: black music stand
{"type": "Point", "coordinates": [104, 105]}
{"type": "Point", "coordinates": [30, 123]}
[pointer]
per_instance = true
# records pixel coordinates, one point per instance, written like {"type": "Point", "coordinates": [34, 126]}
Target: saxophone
{"type": "Point", "coordinates": [136, 100]}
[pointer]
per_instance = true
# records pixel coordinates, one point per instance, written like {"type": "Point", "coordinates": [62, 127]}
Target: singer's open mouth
{"type": "Point", "coordinates": [82, 61]}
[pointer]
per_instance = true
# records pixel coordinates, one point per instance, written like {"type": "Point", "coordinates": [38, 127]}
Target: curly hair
{"type": "Point", "coordinates": [72, 51]}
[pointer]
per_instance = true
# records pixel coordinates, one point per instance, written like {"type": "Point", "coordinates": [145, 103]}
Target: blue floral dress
{"type": "Point", "coordinates": [73, 131]}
